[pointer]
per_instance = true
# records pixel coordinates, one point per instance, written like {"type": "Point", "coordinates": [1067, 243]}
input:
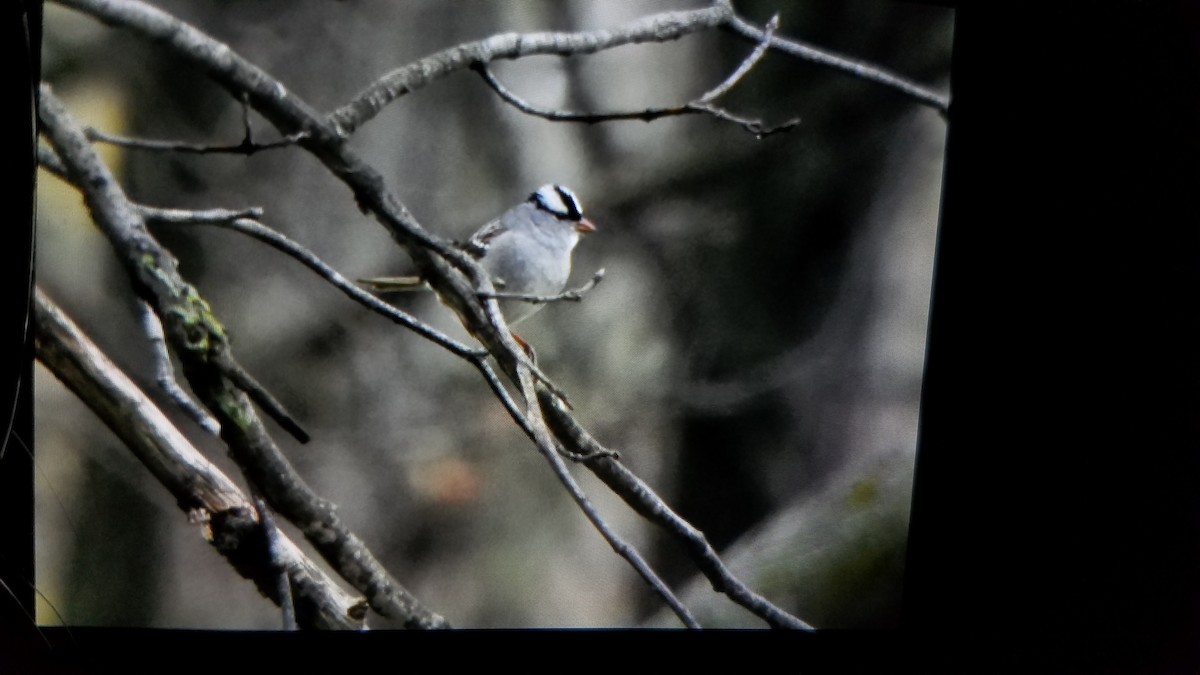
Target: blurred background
{"type": "Point", "coordinates": [754, 352]}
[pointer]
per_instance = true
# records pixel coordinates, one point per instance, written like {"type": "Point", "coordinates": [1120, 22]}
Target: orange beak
{"type": "Point", "coordinates": [585, 226]}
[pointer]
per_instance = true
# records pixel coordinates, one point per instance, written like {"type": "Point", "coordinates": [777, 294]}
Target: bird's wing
{"type": "Point", "coordinates": [478, 244]}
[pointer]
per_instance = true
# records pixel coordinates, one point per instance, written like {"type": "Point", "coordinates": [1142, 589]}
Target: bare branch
{"type": "Point", "coordinates": [48, 160]}
{"type": "Point", "coordinates": [845, 64]}
{"type": "Point", "coordinates": [165, 372]}
{"type": "Point", "coordinates": [454, 275]}
{"type": "Point", "coordinates": [282, 243]}
{"type": "Point", "coordinates": [534, 426]}
{"type": "Point", "coordinates": [570, 295]}
{"type": "Point", "coordinates": [247, 146]}
{"type": "Point", "coordinates": [274, 540]}
{"type": "Point", "coordinates": [307, 258]}
{"type": "Point", "coordinates": [451, 272]}
{"type": "Point", "coordinates": [749, 62]}
{"type": "Point", "coordinates": [181, 216]}
{"type": "Point", "coordinates": [545, 443]}
{"type": "Point", "coordinates": [662, 27]}
{"type": "Point", "coordinates": [200, 343]}
{"type": "Point", "coordinates": [642, 499]}
{"type": "Point", "coordinates": [645, 115]}
{"type": "Point", "coordinates": [201, 490]}
{"type": "Point", "coordinates": [242, 379]}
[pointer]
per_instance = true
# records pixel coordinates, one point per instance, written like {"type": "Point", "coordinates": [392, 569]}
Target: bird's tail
{"type": "Point", "coordinates": [389, 284]}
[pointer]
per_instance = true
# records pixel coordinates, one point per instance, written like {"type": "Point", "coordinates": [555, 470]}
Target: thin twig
{"type": "Point", "coordinates": [755, 127]}
{"type": "Point", "coordinates": [259, 394]}
{"type": "Point", "coordinates": [245, 147]}
{"type": "Point", "coordinates": [760, 50]}
{"type": "Point", "coordinates": [536, 430]}
{"type": "Point", "coordinates": [662, 27]}
{"type": "Point", "coordinates": [199, 487]}
{"type": "Point", "coordinates": [544, 442]}
{"type": "Point", "coordinates": [272, 538]}
{"type": "Point", "coordinates": [436, 260]}
{"type": "Point", "coordinates": [310, 260]}
{"type": "Point", "coordinates": [646, 502]}
{"type": "Point", "coordinates": [570, 295]}
{"type": "Point", "coordinates": [493, 382]}
{"type": "Point", "coordinates": [165, 372]}
{"type": "Point", "coordinates": [184, 216]}
{"type": "Point", "coordinates": [860, 69]}
{"type": "Point", "coordinates": [504, 343]}
{"type": "Point", "coordinates": [198, 339]}
{"type": "Point", "coordinates": [282, 243]}
{"type": "Point", "coordinates": [245, 222]}
{"type": "Point", "coordinates": [48, 160]}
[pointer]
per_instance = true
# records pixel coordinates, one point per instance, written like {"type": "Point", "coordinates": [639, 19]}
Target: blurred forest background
{"type": "Point", "coordinates": [754, 352]}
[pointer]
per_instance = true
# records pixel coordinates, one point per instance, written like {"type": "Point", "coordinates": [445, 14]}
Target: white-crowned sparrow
{"type": "Point", "coordinates": [526, 250]}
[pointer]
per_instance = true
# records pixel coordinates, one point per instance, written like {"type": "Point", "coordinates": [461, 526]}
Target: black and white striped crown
{"type": "Point", "coordinates": [559, 201]}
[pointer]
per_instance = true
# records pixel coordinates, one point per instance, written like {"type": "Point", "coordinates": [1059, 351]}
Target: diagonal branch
{"type": "Point", "coordinates": [199, 341]}
{"type": "Point", "coordinates": [200, 489]}
{"type": "Point", "coordinates": [642, 499]}
{"type": "Point", "coordinates": [824, 57]}
{"type": "Point", "coordinates": [282, 243]}
{"type": "Point", "coordinates": [198, 311]}
{"type": "Point", "coordinates": [662, 27]}
{"type": "Point", "coordinates": [455, 276]}
{"type": "Point", "coordinates": [535, 425]}
{"type": "Point", "coordinates": [165, 372]}
{"type": "Point", "coordinates": [702, 105]}
{"type": "Point", "coordinates": [760, 50]}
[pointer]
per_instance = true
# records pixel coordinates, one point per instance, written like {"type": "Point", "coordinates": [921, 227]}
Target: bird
{"type": "Point", "coordinates": [526, 251]}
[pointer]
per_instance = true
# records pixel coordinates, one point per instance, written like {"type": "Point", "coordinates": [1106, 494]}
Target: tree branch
{"type": "Point", "coordinates": [662, 27]}
{"type": "Point", "coordinates": [824, 57]}
{"type": "Point", "coordinates": [165, 372]}
{"type": "Point", "coordinates": [274, 540]}
{"type": "Point", "coordinates": [183, 216]}
{"type": "Point", "coordinates": [455, 276]}
{"type": "Point", "coordinates": [569, 295]}
{"type": "Point", "coordinates": [245, 147]}
{"type": "Point", "coordinates": [542, 438]}
{"type": "Point", "coordinates": [201, 344]}
{"type": "Point", "coordinates": [199, 488]}
{"type": "Point", "coordinates": [702, 105]}
{"type": "Point", "coordinates": [643, 500]}
{"type": "Point", "coordinates": [310, 260]}
{"type": "Point", "coordinates": [760, 50]}
{"type": "Point", "coordinates": [645, 115]}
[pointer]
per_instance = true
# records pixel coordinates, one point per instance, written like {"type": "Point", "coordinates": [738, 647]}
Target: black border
{"type": "Point", "coordinates": [1056, 516]}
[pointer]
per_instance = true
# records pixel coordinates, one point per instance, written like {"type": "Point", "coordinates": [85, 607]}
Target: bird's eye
{"type": "Point", "coordinates": [574, 211]}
